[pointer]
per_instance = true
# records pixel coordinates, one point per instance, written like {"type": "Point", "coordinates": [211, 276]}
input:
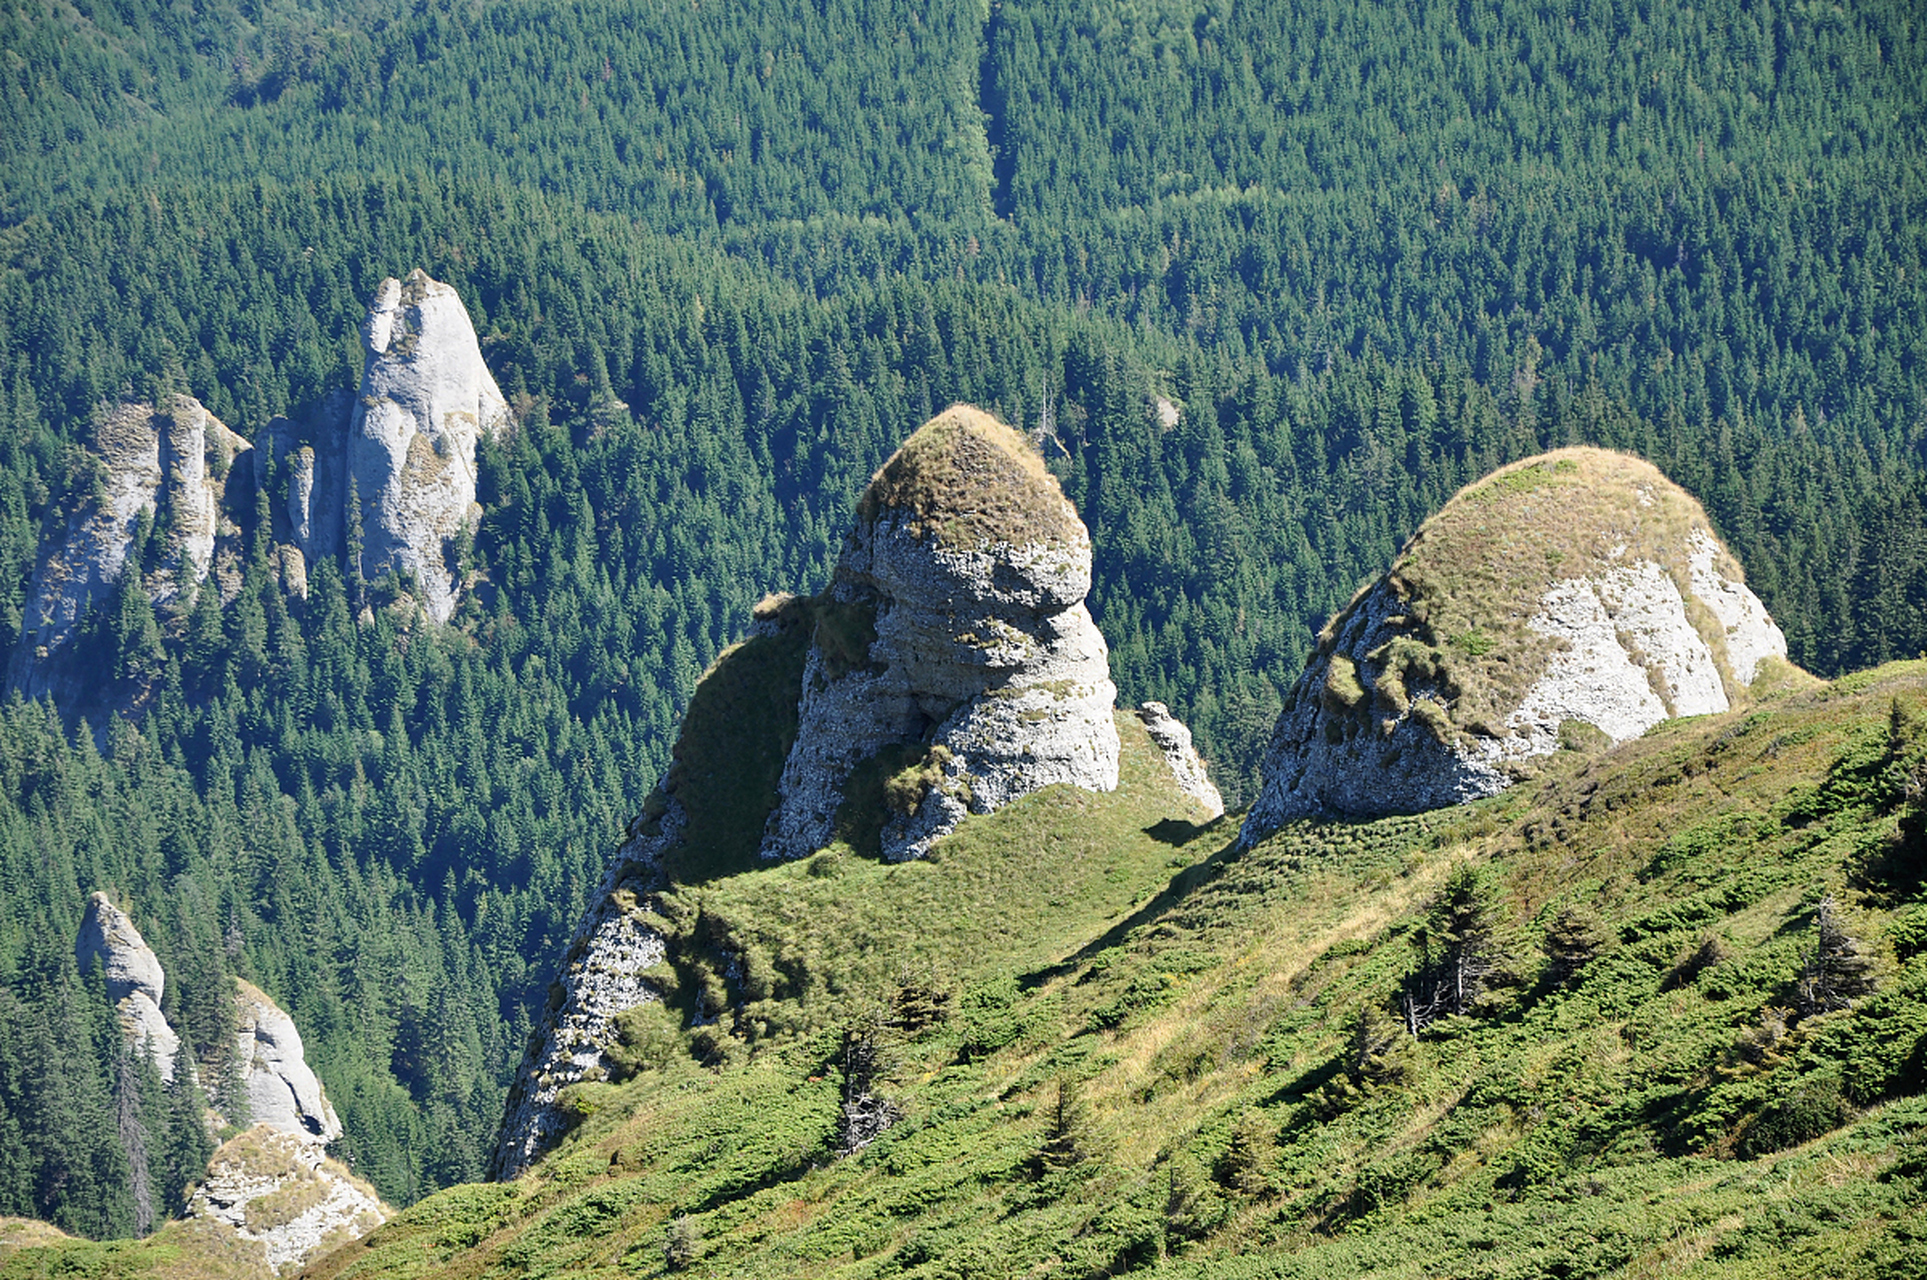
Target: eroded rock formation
{"type": "Point", "coordinates": [283, 1092]}
{"type": "Point", "coordinates": [955, 624]}
{"type": "Point", "coordinates": [165, 466]}
{"type": "Point", "coordinates": [953, 648]}
{"type": "Point", "coordinates": [282, 1194]}
{"type": "Point", "coordinates": [385, 478]}
{"type": "Point", "coordinates": [134, 979]}
{"type": "Point", "coordinates": [1572, 600]}
{"type": "Point", "coordinates": [1173, 738]}
{"type": "Point", "coordinates": [426, 400]}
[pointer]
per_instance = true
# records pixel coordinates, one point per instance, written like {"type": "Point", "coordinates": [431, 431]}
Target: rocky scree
{"type": "Point", "coordinates": [1572, 600]}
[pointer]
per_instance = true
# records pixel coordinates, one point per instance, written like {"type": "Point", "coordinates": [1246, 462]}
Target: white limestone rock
{"type": "Point", "coordinates": [426, 400]}
{"type": "Point", "coordinates": [955, 624]}
{"type": "Point", "coordinates": [134, 978]}
{"type": "Point", "coordinates": [282, 1090]}
{"type": "Point", "coordinates": [605, 974]}
{"type": "Point", "coordinates": [284, 1195]}
{"type": "Point", "coordinates": [170, 461]}
{"type": "Point", "coordinates": [1573, 600]}
{"type": "Point", "coordinates": [1173, 738]}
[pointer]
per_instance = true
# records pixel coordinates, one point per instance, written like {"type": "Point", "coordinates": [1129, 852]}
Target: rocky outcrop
{"type": "Point", "coordinates": [1173, 738]}
{"type": "Point", "coordinates": [956, 626]}
{"type": "Point", "coordinates": [165, 467]}
{"type": "Point", "coordinates": [134, 979]}
{"type": "Point", "coordinates": [1569, 601]}
{"type": "Point", "coordinates": [604, 975]}
{"type": "Point", "coordinates": [953, 645]}
{"type": "Point", "coordinates": [282, 1194]}
{"type": "Point", "coordinates": [426, 400]}
{"type": "Point", "coordinates": [282, 1090]}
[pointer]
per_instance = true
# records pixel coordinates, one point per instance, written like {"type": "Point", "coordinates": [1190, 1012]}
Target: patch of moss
{"type": "Point", "coordinates": [966, 479]}
{"type": "Point", "coordinates": [729, 756]}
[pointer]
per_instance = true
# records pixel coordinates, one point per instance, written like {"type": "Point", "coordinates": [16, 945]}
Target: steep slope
{"type": "Point", "coordinates": [1699, 1043]}
{"type": "Point", "coordinates": [950, 669]}
{"type": "Point", "coordinates": [1570, 600]}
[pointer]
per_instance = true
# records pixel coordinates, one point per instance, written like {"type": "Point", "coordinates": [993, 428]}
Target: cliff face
{"type": "Point", "coordinates": [1573, 600]}
{"type": "Point", "coordinates": [956, 624]}
{"type": "Point", "coordinates": [952, 652]}
{"type": "Point", "coordinates": [426, 401]}
{"type": "Point", "coordinates": [168, 464]}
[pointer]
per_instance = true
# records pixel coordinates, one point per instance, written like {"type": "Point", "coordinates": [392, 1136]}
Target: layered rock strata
{"type": "Point", "coordinates": [134, 979]}
{"type": "Point", "coordinates": [162, 465]}
{"type": "Point", "coordinates": [1573, 600]}
{"type": "Point", "coordinates": [427, 399]}
{"type": "Point", "coordinates": [955, 624]}
{"type": "Point", "coordinates": [285, 1196]}
{"type": "Point", "coordinates": [282, 1090]}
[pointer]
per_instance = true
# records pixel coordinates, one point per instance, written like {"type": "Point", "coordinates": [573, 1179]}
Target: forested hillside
{"type": "Point", "coordinates": [722, 259]}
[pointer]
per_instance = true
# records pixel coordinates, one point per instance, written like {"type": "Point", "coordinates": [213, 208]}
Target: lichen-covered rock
{"type": "Point", "coordinates": [955, 623]}
{"type": "Point", "coordinates": [603, 977]}
{"type": "Point", "coordinates": [426, 400]}
{"type": "Point", "coordinates": [1173, 738]}
{"type": "Point", "coordinates": [282, 1090]}
{"type": "Point", "coordinates": [284, 1195]}
{"type": "Point", "coordinates": [171, 462]}
{"type": "Point", "coordinates": [134, 978]}
{"type": "Point", "coordinates": [1572, 600]}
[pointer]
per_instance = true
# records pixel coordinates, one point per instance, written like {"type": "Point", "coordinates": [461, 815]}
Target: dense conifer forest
{"type": "Point", "coordinates": [722, 258]}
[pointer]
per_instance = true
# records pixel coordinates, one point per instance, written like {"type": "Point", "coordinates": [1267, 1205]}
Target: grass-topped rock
{"type": "Point", "coordinates": [1569, 601]}
{"type": "Point", "coordinates": [968, 568]}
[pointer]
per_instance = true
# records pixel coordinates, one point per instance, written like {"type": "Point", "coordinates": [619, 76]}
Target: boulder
{"type": "Point", "coordinates": [1569, 601]}
{"type": "Point", "coordinates": [282, 1090]}
{"type": "Point", "coordinates": [955, 626]}
{"type": "Point", "coordinates": [426, 400]}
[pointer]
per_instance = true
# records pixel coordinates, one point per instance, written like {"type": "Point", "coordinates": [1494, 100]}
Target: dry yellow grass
{"type": "Point", "coordinates": [967, 479]}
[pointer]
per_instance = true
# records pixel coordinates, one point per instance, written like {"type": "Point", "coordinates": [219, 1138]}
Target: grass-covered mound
{"type": "Point", "coordinates": [1469, 580]}
{"type": "Point", "coordinates": [967, 479]}
{"type": "Point", "coordinates": [1691, 1041]}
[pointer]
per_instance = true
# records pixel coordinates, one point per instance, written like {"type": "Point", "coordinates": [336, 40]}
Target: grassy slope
{"type": "Point", "coordinates": [1201, 1024]}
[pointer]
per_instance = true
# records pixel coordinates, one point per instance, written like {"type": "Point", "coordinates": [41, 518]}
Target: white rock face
{"type": "Point", "coordinates": [173, 460]}
{"type": "Point", "coordinates": [276, 1191]}
{"type": "Point", "coordinates": [604, 975]}
{"type": "Point", "coordinates": [1173, 738]}
{"type": "Point", "coordinates": [426, 400]}
{"type": "Point", "coordinates": [986, 655]}
{"type": "Point", "coordinates": [1751, 636]}
{"type": "Point", "coordinates": [283, 1092]}
{"type": "Point", "coordinates": [134, 979]}
{"type": "Point", "coordinates": [1627, 650]}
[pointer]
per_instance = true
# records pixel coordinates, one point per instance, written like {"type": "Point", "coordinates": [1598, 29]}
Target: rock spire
{"type": "Point", "coordinates": [956, 625]}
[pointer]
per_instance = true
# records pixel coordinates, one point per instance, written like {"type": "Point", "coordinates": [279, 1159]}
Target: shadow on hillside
{"type": "Point", "coordinates": [1172, 831]}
